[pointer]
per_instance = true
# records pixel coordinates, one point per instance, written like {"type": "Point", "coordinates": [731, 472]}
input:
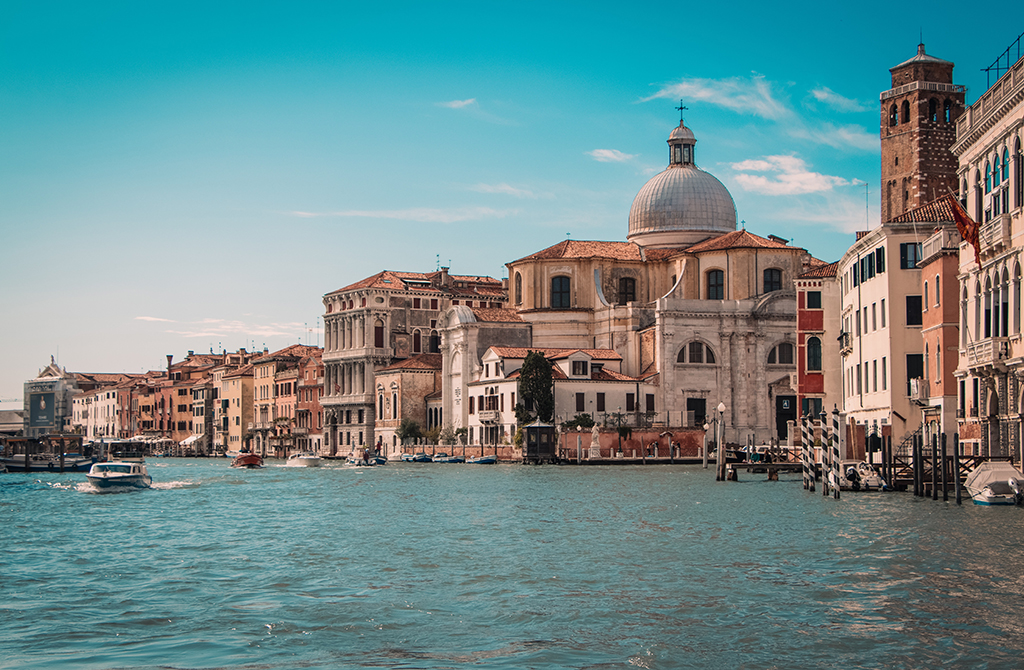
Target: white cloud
{"type": "Point", "coordinates": [754, 95]}
{"type": "Point", "coordinates": [503, 188]}
{"type": "Point", "coordinates": [837, 137]}
{"type": "Point", "coordinates": [153, 318]}
{"type": "Point", "coordinates": [789, 176]}
{"type": "Point", "coordinates": [609, 156]}
{"type": "Point", "coordinates": [457, 104]}
{"type": "Point", "coordinates": [420, 214]}
{"type": "Point", "coordinates": [220, 328]}
{"type": "Point", "coordinates": [835, 101]}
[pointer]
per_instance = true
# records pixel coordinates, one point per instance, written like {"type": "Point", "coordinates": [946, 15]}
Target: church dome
{"type": "Point", "coordinates": [683, 204]}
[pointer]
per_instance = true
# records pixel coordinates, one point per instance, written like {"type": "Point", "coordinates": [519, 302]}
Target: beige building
{"type": "Point", "coordinates": [991, 363]}
{"type": "Point", "coordinates": [237, 395]}
{"type": "Point", "coordinates": [402, 389]}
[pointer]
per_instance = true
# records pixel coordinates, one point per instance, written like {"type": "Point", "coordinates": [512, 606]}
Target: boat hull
{"type": "Point", "coordinates": [121, 482]}
{"type": "Point", "coordinates": [15, 464]}
{"type": "Point", "coordinates": [250, 461]}
{"type": "Point", "coordinates": [304, 462]}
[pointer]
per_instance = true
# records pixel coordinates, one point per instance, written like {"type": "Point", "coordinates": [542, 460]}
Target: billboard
{"type": "Point", "coordinates": [41, 410]}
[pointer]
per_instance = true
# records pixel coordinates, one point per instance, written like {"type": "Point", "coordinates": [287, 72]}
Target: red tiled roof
{"type": "Point", "coordinates": [824, 270]}
{"type": "Point", "coordinates": [244, 371]}
{"type": "Point", "coordinates": [738, 239]}
{"type": "Point", "coordinates": [292, 351]}
{"type": "Point", "coordinates": [623, 251]}
{"type": "Point", "coordinates": [937, 210]}
{"type": "Point", "coordinates": [397, 280]}
{"type": "Point", "coordinates": [418, 362]}
{"type": "Point", "coordinates": [496, 315]}
{"type": "Point", "coordinates": [603, 375]}
{"type": "Point", "coordinates": [555, 354]}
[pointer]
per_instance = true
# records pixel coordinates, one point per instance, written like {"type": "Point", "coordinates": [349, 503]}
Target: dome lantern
{"type": "Point", "coordinates": [681, 144]}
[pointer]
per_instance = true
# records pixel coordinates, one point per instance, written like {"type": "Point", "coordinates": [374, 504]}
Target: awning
{"type": "Point", "coordinates": [189, 440]}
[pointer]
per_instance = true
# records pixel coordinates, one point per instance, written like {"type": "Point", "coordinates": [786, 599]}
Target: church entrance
{"type": "Point", "coordinates": [785, 410]}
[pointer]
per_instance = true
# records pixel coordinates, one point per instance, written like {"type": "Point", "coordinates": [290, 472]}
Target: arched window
{"type": "Point", "coordinates": [924, 300]}
{"type": "Point", "coordinates": [1006, 164]}
{"type": "Point", "coordinates": [1018, 164]}
{"type": "Point", "coordinates": [905, 112]}
{"type": "Point", "coordinates": [988, 178]}
{"type": "Point", "coordinates": [416, 342]}
{"type": "Point", "coordinates": [977, 196]}
{"type": "Point", "coordinates": [378, 334]}
{"type": "Point", "coordinates": [892, 115]}
{"type": "Point", "coordinates": [781, 354]}
{"type": "Point", "coordinates": [977, 310]}
{"type": "Point", "coordinates": [947, 114]}
{"type": "Point", "coordinates": [995, 172]}
{"type": "Point", "coordinates": [988, 307]}
{"type": "Point", "coordinates": [519, 289]}
{"type": "Point", "coordinates": [938, 298]}
{"type": "Point", "coordinates": [813, 353]}
{"type": "Point", "coordinates": [435, 342]}
{"type": "Point", "coordinates": [772, 280]}
{"type": "Point", "coordinates": [1016, 300]}
{"type": "Point", "coordinates": [394, 405]}
{"type": "Point", "coordinates": [559, 292]}
{"type": "Point", "coordinates": [963, 319]}
{"type": "Point", "coordinates": [716, 285]}
{"type": "Point", "coordinates": [696, 352]}
{"type": "Point", "coordinates": [627, 290]}
{"type": "Point", "coordinates": [933, 110]}
{"type": "Point", "coordinates": [924, 371]}
{"type": "Point", "coordinates": [380, 406]}
{"type": "Point", "coordinates": [963, 195]}
{"type": "Point", "coordinates": [1004, 305]}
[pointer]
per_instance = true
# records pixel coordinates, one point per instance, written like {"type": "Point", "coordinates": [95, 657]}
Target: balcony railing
{"type": "Point", "coordinates": [300, 431]}
{"type": "Point", "coordinates": [995, 235]}
{"type": "Point", "coordinates": [489, 416]}
{"type": "Point", "coordinates": [845, 344]}
{"type": "Point", "coordinates": [988, 351]}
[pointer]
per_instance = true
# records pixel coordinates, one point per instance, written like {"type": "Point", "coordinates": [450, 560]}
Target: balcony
{"type": "Point", "coordinates": [489, 416]}
{"type": "Point", "coordinates": [988, 352]}
{"type": "Point", "coordinates": [919, 391]}
{"type": "Point", "coordinates": [300, 431]}
{"type": "Point", "coordinates": [994, 235]}
{"type": "Point", "coordinates": [845, 344]}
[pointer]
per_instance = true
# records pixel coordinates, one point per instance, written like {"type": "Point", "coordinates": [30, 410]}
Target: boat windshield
{"type": "Point", "coordinates": [1000, 488]}
{"type": "Point", "coordinates": [114, 467]}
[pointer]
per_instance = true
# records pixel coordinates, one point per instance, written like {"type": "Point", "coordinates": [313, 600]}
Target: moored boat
{"type": "Point", "coordinates": [120, 474]}
{"type": "Point", "coordinates": [73, 462]}
{"type": "Point", "coordinates": [304, 459]}
{"type": "Point", "coordinates": [442, 457]}
{"type": "Point", "coordinates": [995, 483]}
{"type": "Point", "coordinates": [483, 460]}
{"type": "Point", "coordinates": [860, 476]}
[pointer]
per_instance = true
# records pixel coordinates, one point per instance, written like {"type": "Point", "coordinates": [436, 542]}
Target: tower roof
{"type": "Point", "coordinates": [921, 57]}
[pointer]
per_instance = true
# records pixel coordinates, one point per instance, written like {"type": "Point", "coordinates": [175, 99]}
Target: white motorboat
{"type": "Point", "coordinates": [304, 459]}
{"type": "Point", "coordinates": [995, 483]}
{"type": "Point", "coordinates": [120, 474]}
{"type": "Point", "coordinates": [859, 476]}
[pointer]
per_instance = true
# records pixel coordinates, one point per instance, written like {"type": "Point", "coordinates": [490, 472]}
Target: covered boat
{"type": "Point", "coordinates": [304, 459]}
{"type": "Point", "coordinates": [995, 483]}
{"type": "Point", "coordinates": [120, 474]}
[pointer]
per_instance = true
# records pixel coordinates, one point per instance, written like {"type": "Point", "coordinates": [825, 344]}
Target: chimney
{"type": "Point", "coordinates": [444, 277]}
{"type": "Point", "coordinates": [169, 357]}
{"type": "Point", "coordinates": [190, 353]}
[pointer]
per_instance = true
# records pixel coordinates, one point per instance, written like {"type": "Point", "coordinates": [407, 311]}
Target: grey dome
{"type": "Point", "coordinates": [681, 205]}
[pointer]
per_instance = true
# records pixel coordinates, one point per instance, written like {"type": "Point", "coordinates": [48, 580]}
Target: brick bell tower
{"type": "Point", "coordinates": [918, 127]}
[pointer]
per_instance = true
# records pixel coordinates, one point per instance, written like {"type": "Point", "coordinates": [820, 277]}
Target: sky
{"type": "Point", "coordinates": [197, 176]}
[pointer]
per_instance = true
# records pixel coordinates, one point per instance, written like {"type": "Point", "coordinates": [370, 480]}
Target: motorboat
{"type": "Point", "coordinates": [120, 474]}
{"type": "Point", "coordinates": [483, 460]}
{"type": "Point", "coordinates": [421, 458]}
{"type": "Point", "coordinates": [995, 483]}
{"type": "Point", "coordinates": [442, 457]}
{"type": "Point", "coordinates": [859, 476]}
{"type": "Point", "coordinates": [304, 459]}
{"type": "Point", "coordinates": [247, 459]}
{"type": "Point", "coordinates": [406, 458]}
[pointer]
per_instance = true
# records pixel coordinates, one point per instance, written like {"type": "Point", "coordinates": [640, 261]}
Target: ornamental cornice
{"type": "Point", "coordinates": [988, 122]}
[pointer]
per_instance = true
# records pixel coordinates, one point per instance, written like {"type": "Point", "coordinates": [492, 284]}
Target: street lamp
{"type": "Point", "coordinates": [705, 450]}
{"type": "Point", "coordinates": [579, 443]}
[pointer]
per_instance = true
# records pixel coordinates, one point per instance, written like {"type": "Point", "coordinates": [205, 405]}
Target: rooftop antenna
{"type": "Point", "coordinates": [867, 218]}
{"type": "Point", "coordinates": [438, 268]}
{"type": "Point", "coordinates": [681, 108]}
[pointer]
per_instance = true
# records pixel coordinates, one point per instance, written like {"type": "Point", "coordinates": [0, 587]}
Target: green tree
{"type": "Point", "coordinates": [447, 435]}
{"type": "Point", "coordinates": [432, 435]}
{"type": "Point", "coordinates": [408, 430]}
{"type": "Point", "coordinates": [536, 386]}
{"type": "Point", "coordinates": [578, 421]}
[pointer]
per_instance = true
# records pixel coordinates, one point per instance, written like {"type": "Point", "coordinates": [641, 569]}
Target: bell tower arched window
{"type": "Point", "coordinates": [905, 112]}
{"type": "Point", "coordinates": [519, 289]}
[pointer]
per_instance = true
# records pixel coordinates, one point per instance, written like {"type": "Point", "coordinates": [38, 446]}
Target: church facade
{"type": "Point", "coordinates": [703, 312]}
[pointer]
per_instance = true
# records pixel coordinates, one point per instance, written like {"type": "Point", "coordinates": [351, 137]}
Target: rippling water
{"type": "Point", "coordinates": [442, 566]}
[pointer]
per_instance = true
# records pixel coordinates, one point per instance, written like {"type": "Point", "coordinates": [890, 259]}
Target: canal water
{"type": "Point", "coordinates": [448, 566]}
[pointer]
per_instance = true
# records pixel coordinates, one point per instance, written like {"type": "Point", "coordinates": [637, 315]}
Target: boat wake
{"type": "Point", "coordinates": [86, 487]}
{"type": "Point", "coordinates": [182, 484]}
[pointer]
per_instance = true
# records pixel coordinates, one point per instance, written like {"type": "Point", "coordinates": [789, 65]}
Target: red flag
{"type": "Point", "coordinates": [967, 227]}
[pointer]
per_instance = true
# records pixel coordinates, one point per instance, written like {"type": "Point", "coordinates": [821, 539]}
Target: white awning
{"type": "Point", "coordinates": [189, 440]}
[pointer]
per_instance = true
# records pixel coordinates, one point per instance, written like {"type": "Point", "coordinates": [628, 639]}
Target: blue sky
{"type": "Point", "coordinates": [198, 175]}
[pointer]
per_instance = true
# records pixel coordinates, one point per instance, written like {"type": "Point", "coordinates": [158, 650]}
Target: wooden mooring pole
{"type": "Point", "coordinates": [945, 466]}
{"type": "Point", "coordinates": [935, 464]}
{"type": "Point", "coordinates": [956, 466]}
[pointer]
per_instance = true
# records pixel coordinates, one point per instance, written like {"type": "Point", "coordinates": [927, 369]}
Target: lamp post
{"type": "Point", "coordinates": [720, 451]}
{"type": "Point", "coordinates": [579, 443]}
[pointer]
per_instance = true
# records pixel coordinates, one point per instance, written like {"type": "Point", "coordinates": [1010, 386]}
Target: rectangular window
{"type": "Point", "coordinates": [811, 406]}
{"type": "Point", "coordinates": [857, 319]}
{"type": "Point", "coordinates": [471, 401]}
{"type": "Point", "coordinates": [433, 304]}
{"type": "Point", "coordinates": [910, 255]}
{"type": "Point", "coordinates": [883, 312]}
{"type": "Point", "coordinates": [600, 402]}
{"type": "Point", "coordinates": [874, 317]}
{"type": "Point", "coordinates": [630, 402]}
{"type": "Point", "coordinates": [579, 368]}
{"type": "Point", "coordinates": [915, 368]}
{"type": "Point", "coordinates": [859, 387]}
{"type": "Point", "coordinates": [874, 375]}
{"type": "Point", "coordinates": [913, 310]}
{"type": "Point", "coordinates": [856, 274]}
{"type": "Point", "coordinates": [415, 303]}
{"type": "Point", "coordinates": [650, 402]}
{"type": "Point", "coordinates": [580, 403]}
{"type": "Point", "coordinates": [880, 260]}
{"type": "Point", "coordinates": [360, 416]}
{"type": "Point", "coordinates": [814, 300]}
